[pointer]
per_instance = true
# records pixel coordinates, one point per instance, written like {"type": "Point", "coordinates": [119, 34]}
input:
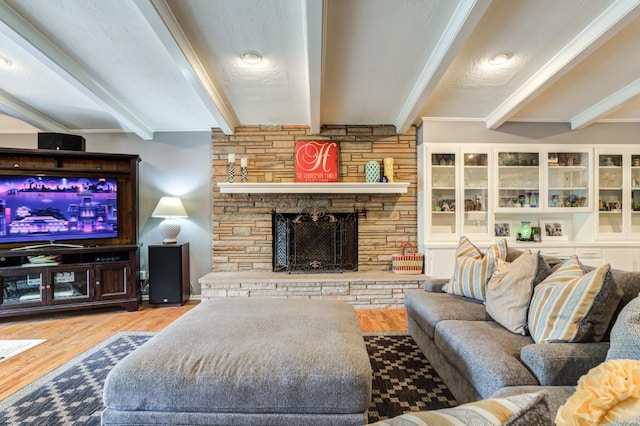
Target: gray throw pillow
{"type": "Point", "coordinates": [625, 334]}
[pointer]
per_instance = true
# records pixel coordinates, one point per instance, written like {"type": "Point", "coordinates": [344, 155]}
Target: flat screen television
{"type": "Point", "coordinates": [35, 208]}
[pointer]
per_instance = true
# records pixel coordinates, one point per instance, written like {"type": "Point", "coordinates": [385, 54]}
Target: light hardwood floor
{"type": "Point", "coordinates": [68, 335]}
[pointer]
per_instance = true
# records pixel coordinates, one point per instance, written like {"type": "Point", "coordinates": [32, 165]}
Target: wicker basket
{"type": "Point", "coordinates": [404, 263]}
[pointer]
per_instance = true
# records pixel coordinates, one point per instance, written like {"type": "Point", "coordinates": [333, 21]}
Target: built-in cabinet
{"type": "Point", "coordinates": [581, 200]}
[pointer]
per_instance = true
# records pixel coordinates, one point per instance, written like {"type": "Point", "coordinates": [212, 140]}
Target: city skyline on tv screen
{"type": "Point", "coordinates": [53, 208]}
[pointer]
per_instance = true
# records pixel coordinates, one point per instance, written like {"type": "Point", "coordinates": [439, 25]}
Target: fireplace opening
{"type": "Point", "coordinates": [315, 240]}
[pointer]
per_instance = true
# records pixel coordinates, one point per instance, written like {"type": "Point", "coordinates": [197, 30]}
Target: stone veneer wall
{"type": "Point", "coordinates": [242, 222]}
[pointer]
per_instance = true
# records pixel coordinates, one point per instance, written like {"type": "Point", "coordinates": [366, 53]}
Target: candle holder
{"type": "Point", "coordinates": [231, 172]}
{"type": "Point", "coordinates": [243, 173]}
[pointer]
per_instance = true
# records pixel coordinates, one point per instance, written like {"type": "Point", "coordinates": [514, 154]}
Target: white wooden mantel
{"type": "Point", "coordinates": [314, 188]}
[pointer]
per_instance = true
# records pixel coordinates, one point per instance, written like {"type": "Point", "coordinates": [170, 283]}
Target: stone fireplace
{"type": "Point", "coordinates": [243, 258]}
{"type": "Point", "coordinates": [315, 240]}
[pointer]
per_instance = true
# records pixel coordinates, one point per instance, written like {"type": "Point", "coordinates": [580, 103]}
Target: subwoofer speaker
{"type": "Point", "coordinates": [60, 141]}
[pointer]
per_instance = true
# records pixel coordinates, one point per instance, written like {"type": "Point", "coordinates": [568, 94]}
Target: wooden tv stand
{"type": "Point", "coordinates": [81, 278]}
{"type": "Point", "coordinates": [90, 272]}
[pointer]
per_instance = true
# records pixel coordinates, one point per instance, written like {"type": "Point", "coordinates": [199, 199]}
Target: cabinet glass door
{"type": "Point", "coordinates": [568, 180]}
{"type": "Point", "coordinates": [21, 288]}
{"type": "Point", "coordinates": [69, 285]}
{"type": "Point", "coordinates": [518, 181]}
{"type": "Point", "coordinates": [610, 194]}
{"type": "Point", "coordinates": [475, 175]}
{"type": "Point", "coordinates": [635, 194]}
{"type": "Point", "coordinates": [443, 194]}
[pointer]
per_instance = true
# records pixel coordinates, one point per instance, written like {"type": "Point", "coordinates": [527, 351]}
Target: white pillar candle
{"type": "Point", "coordinates": [232, 158]}
{"type": "Point", "coordinates": [243, 162]}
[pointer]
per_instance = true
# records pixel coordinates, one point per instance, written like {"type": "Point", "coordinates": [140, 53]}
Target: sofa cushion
{"type": "Point", "coordinates": [556, 395]}
{"type": "Point", "coordinates": [427, 309]}
{"type": "Point", "coordinates": [625, 334]}
{"type": "Point", "coordinates": [529, 409]}
{"type": "Point", "coordinates": [510, 289]}
{"type": "Point", "coordinates": [608, 393]}
{"type": "Point", "coordinates": [562, 364]}
{"type": "Point", "coordinates": [485, 353]}
{"type": "Point", "coordinates": [571, 307]}
{"type": "Point", "coordinates": [473, 269]}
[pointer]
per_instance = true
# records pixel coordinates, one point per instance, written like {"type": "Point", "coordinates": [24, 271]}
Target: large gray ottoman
{"type": "Point", "coordinates": [247, 362]}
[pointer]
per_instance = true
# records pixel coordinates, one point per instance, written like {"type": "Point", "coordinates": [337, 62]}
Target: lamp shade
{"type": "Point", "coordinates": [169, 208]}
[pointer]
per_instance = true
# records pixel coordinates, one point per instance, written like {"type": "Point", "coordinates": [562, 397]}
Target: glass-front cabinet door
{"type": "Point", "coordinates": [22, 288]}
{"type": "Point", "coordinates": [442, 166]}
{"type": "Point", "coordinates": [459, 196]}
{"type": "Point", "coordinates": [69, 285]}
{"type": "Point", "coordinates": [618, 193]}
{"type": "Point", "coordinates": [518, 181]}
{"type": "Point", "coordinates": [475, 193]}
{"type": "Point", "coordinates": [610, 220]}
{"type": "Point", "coordinates": [568, 180]}
{"type": "Point", "coordinates": [635, 196]}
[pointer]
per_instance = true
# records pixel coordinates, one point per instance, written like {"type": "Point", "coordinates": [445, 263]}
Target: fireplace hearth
{"type": "Point", "coordinates": [315, 240]}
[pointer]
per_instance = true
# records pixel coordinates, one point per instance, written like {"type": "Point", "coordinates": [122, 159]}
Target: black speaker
{"type": "Point", "coordinates": [169, 281]}
{"type": "Point", "coordinates": [60, 141]}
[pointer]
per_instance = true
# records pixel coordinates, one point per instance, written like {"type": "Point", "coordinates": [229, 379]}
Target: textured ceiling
{"type": "Point", "coordinates": [145, 66]}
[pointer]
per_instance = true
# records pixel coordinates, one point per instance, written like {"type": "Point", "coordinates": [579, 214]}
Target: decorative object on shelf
{"type": "Point", "coordinates": [536, 234]}
{"type": "Point", "coordinates": [448, 205]}
{"type": "Point", "coordinates": [170, 208]}
{"type": "Point", "coordinates": [316, 161]}
{"type": "Point", "coordinates": [404, 263]}
{"type": "Point", "coordinates": [502, 229]}
{"type": "Point", "coordinates": [372, 171]}
{"type": "Point", "coordinates": [525, 231]}
{"type": "Point", "coordinates": [479, 203]}
{"type": "Point", "coordinates": [388, 168]}
{"type": "Point", "coordinates": [243, 170]}
{"type": "Point", "coordinates": [554, 230]}
{"type": "Point", "coordinates": [44, 260]}
{"type": "Point", "coordinates": [231, 171]}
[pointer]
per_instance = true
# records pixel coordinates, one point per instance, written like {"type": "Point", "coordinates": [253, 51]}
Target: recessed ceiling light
{"type": "Point", "coordinates": [251, 57]}
{"type": "Point", "coordinates": [5, 62]}
{"type": "Point", "coordinates": [500, 58]}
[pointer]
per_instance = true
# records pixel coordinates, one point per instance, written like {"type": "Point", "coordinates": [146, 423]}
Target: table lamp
{"type": "Point", "coordinates": [169, 208]}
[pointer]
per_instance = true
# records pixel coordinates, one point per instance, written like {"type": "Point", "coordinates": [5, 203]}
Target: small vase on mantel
{"type": "Point", "coordinates": [388, 169]}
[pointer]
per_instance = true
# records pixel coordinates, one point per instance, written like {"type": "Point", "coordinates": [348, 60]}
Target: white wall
{"type": "Point", "coordinates": [172, 164]}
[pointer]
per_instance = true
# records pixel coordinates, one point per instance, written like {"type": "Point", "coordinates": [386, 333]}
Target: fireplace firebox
{"type": "Point", "coordinates": [315, 240]}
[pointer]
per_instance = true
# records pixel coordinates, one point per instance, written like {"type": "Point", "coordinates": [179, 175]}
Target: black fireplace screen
{"type": "Point", "coordinates": [315, 240]}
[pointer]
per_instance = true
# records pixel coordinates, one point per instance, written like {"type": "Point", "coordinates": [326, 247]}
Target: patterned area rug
{"type": "Point", "coordinates": [403, 381]}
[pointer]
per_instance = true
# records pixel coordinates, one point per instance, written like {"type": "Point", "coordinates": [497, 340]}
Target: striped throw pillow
{"type": "Point", "coordinates": [473, 269]}
{"type": "Point", "coordinates": [529, 409]}
{"type": "Point", "coordinates": [570, 306]}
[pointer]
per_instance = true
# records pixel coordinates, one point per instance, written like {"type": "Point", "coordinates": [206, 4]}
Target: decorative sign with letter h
{"type": "Point", "coordinates": [316, 161]}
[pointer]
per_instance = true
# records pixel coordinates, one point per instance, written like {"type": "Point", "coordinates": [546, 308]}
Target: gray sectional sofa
{"type": "Point", "coordinates": [477, 358]}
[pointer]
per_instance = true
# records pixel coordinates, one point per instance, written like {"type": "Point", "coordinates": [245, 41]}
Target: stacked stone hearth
{"type": "Point", "coordinates": [242, 242]}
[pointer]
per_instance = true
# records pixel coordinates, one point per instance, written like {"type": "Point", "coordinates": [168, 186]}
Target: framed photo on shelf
{"type": "Point", "coordinates": [554, 230]}
{"type": "Point", "coordinates": [448, 206]}
{"type": "Point", "coordinates": [502, 229]}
